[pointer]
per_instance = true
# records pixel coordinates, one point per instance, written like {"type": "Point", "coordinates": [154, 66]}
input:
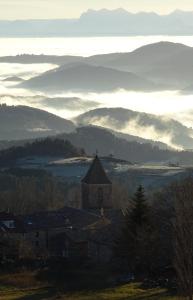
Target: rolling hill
{"type": "Point", "coordinates": [165, 63]}
{"type": "Point", "coordinates": [40, 148]}
{"type": "Point", "coordinates": [158, 66]}
{"type": "Point", "coordinates": [140, 124]}
{"type": "Point", "coordinates": [23, 122]}
{"type": "Point", "coordinates": [94, 139]}
{"type": "Point", "coordinates": [90, 78]}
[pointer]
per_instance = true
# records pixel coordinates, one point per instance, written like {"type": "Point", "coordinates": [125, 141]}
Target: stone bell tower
{"type": "Point", "coordinates": [96, 188]}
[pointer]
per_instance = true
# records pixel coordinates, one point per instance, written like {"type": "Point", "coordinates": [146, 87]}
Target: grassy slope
{"type": "Point", "coordinates": [124, 292]}
{"type": "Point", "coordinates": [25, 285]}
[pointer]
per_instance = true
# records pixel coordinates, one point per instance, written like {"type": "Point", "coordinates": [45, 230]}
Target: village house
{"type": "Point", "coordinates": [85, 233]}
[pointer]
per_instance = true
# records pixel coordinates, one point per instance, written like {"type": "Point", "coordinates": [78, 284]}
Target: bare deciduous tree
{"type": "Point", "coordinates": [183, 236]}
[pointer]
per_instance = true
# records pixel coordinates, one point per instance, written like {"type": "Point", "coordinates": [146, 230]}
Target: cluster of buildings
{"type": "Point", "coordinates": [76, 234]}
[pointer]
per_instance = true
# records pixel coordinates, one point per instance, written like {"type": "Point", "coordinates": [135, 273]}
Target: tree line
{"type": "Point", "coordinates": [156, 240]}
{"type": "Point", "coordinates": [31, 191]}
{"type": "Point", "coordinates": [42, 147]}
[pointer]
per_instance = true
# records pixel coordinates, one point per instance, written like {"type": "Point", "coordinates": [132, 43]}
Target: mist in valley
{"type": "Point", "coordinates": [166, 105]}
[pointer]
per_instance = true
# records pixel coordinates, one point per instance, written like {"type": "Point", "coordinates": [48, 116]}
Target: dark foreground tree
{"type": "Point", "coordinates": [134, 245]}
{"type": "Point", "coordinates": [183, 236]}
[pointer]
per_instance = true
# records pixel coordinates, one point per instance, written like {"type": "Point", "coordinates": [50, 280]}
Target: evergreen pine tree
{"type": "Point", "coordinates": [138, 214]}
{"type": "Point", "coordinates": [134, 244]}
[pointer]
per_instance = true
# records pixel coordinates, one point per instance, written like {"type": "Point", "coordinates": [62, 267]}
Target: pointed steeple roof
{"type": "Point", "coordinates": [96, 174]}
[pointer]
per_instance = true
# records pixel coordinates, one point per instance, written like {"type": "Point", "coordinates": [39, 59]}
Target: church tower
{"type": "Point", "coordinates": [96, 188]}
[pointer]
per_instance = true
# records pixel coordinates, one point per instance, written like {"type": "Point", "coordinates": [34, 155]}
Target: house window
{"type": "Point", "coordinates": [37, 234]}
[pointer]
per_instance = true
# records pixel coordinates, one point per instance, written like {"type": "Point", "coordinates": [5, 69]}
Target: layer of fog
{"type": "Point", "coordinates": [69, 105]}
{"type": "Point", "coordinates": [167, 103]}
{"type": "Point", "coordinates": [132, 127]}
{"type": "Point", "coordinates": [82, 46]}
{"type": "Point", "coordinates": [25, 71]}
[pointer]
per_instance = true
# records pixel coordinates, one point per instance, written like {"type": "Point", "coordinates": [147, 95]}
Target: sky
{"type": "Point", "coordinates": [51, 9]}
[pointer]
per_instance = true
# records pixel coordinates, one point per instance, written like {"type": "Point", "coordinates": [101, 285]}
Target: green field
{"type": "Point", "coordinates": [26, 285]}
{"type": "Point", "coordinates": [124, 292]}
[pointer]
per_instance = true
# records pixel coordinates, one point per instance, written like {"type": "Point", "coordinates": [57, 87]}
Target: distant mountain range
{"type": "Point", "coordinates": [104, 22]}
{"type": "Point", "coordinates": [154, 67]}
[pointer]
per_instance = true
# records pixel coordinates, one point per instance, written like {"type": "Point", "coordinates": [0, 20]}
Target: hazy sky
{"type": "Point", "coordinates": [25, 9]}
